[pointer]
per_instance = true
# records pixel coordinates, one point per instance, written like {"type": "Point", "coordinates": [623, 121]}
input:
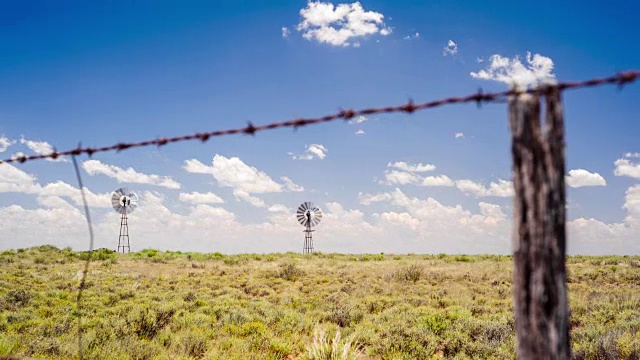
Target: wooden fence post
{"type": "Point", "coordinates": [539, 277]}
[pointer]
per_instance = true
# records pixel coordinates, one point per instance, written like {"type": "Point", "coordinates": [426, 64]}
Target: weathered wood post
{"type": "Point", "coordinates": [539, 277]}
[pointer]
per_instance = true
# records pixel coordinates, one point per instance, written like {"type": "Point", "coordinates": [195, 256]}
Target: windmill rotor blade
{"type": "Point", "coordinates": [304, 207]}
{"type": "Point", "coordinates": [131, 195]}
{"type": "Point", "coordinates": [308, 214]}
{"type": "Point", "coordinates": [131, 206]}
{"type": "Point", "coordinates": [132, 202]}
{"type": "Point", "coordinates": [124, 201]}
{"type": "Point", "coordinates": [115, 201]}
{"type": "Point", "coordinates": [316, 216]}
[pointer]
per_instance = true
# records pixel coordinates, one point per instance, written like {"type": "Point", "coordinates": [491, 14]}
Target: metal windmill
{"type": "Point", "coordinates": [124, 201]}
{"type": "Point", "coordinates": [308, 216]}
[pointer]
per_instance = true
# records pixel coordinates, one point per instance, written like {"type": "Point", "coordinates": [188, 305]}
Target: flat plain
{"type": "Point", "coordinates": [172, 305]}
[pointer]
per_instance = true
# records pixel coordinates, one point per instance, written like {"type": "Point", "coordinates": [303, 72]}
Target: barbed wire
{"type": "Point", "coordinates": [480, 97]}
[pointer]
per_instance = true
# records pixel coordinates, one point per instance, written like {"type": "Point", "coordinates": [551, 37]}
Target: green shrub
{"type": "Point", "coordinates": [146, 323]}
{"type": "Point", "coordinates": [8, 344]}
{"type": "Point", "coordinates": [15, 299]}
{"type": "Point", "coordinates": [231, 261]}
{"type": "Point", "coordinates": [462, 258]}
{"type": "Point", "coordinates": [437, 323]}
{"type": "Point", "coordinates": [411, 273]}
{"type": "Point", "coordinates": [190, 296]}
{"type": "Point", "coordinates": [290, 271]}
{"type": "Point", "coordinates": [194, 344]}
{"type": "Point", "coordinates": [343, 315]}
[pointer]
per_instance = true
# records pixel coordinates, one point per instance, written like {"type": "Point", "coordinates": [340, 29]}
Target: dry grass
{"type": "Point", "coordinates": [167, 305]}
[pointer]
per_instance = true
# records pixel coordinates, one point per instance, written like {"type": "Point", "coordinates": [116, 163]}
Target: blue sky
{"type": "Point", "coordinates": [97, 73]}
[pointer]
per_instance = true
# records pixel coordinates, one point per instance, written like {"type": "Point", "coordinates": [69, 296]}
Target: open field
{"type": "Point", "coordinates": [169, 305]}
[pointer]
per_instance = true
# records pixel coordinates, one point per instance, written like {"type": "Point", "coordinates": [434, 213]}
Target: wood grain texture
{"type": "Point", "coordinates": [539, 238]}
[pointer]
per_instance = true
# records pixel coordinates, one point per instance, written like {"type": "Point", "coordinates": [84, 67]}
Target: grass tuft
{"type": "Point", "coordinates": [332, 348]}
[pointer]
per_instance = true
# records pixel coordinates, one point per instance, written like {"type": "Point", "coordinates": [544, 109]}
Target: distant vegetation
{"type": "Point", "coordinates": [174, 305]}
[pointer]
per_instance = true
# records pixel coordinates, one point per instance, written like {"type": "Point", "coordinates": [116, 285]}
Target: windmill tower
{"type": "Point", "coordinates": [124, 202]}
{"type": "Point", "coordinates": [308, 216]}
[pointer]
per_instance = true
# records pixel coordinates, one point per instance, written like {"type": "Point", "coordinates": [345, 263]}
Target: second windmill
{"type": "Point", "coordinates": [308, 216]}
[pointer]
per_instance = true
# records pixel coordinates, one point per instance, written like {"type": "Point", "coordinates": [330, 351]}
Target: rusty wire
{"type": "Point", "coordinates": [480, 97]}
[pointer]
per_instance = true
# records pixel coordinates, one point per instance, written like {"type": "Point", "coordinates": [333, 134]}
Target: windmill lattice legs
{"type": "Point", "coordinates": [308, 241]}
{"type": "Point", "coordinates": [123, 239]}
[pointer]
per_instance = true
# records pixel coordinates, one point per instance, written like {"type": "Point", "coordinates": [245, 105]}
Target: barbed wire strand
{"type": "Point", "coordinates": [89, 253]}
{"type": "Point", "coordinates": [480, 97]}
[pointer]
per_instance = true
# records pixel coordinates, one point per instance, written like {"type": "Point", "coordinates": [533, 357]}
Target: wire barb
{"type": "Point", "coordinates": [621, 79]}
{"type": "Point", "coordinates": [480, 98]}
{"type": "Point", "coordinates": [250, 129]}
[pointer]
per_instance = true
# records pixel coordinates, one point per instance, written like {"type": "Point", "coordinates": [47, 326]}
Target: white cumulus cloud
{"type": "Point", "coordinates": [368, 199]}
{"type": "Point", "coordinates": [419, 167]}
{"type": "Point", "coordinates": [41, 148]}
{"type": "Point", "coordinates": [358, 120]}
{"type": "Point", "coordinates": [15, 180]}
{"type": "Point", "coordinates": [278, 208]}
{"type": "Point", "coordinates": [340, 25]}
{"type": "Point", "coordinates": [245, 180]}
{"type": "Point", "coordinates": [285, 32]}
{"type": "Point", "coordinates": [94, 167]}
{"type": "Point", "coordinates": [200, 198]}
{"type": "Point", "coordinates": [502, 188]}
{"type": "Point", "coordinates": [245, 196]}
{"type": "Point", "coordinates": [632, 204]}
{"type": "Point", "coordinates": [60, 189]}
{"type": "Point", "coordinates": [450, 49]}
{"type": "Point", "coordinates": [624, 167]}
{"type": "Point", "coordinates": [290, 185]}
{"type": "Point", "coordinates": [234, 173]}
{"type": "Point", "coordinates": [395, 177]}
{"type": "Point", "coordinates": [196, 167]}
{"type": "Point", "coordinates": [537, 69]}
{"type": "Point", "coordinates": [581, 178]}
{"type": "Point", "coordinates": [5, 142]}
{"type": "Point", "coordinates": [429, 219]}
{"type": "Point", "coordinates": [440, 180]}
{"type": "Point", "coordinates": [620, 237]}
{"type": "Point", "coordinates": [360, 132]}
{"type": "Point", "coordinates": [459, 135]}
{"type": "Point", "coordinates": [403, 173]}
{"type": "Point", "coordinates": [312, 151]}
